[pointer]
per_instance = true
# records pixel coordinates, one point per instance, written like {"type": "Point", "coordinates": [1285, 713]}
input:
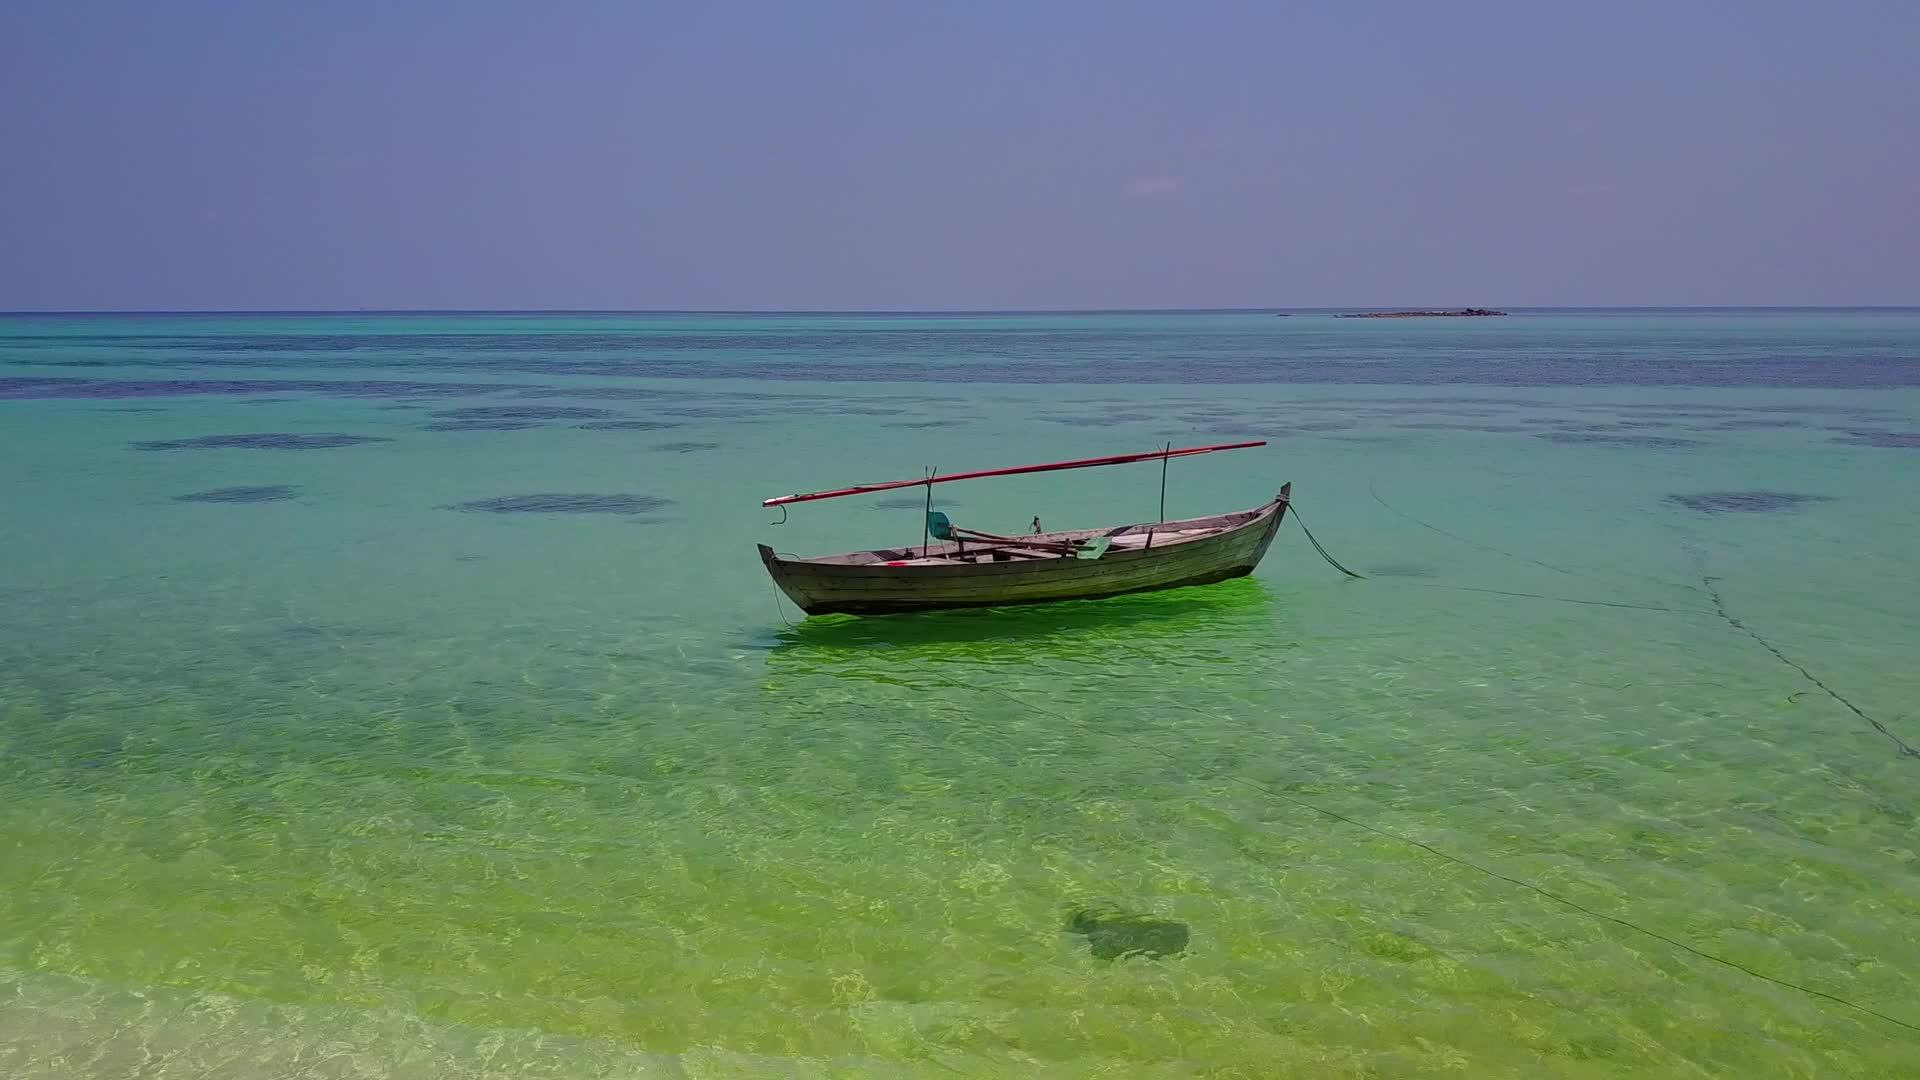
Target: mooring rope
{"type": "Point", "coordinates": [777, 609]}
{"type": "Point", "coordinates": [1457, 860]}
{"type": "Point", "coordinates": [1373, 490]}
{"type": "Point", "coordinates": [1495, 592]}
{"type": "Point", "coordinates": [1720, 609]}
{"type": "Point", "coordinates": [1707, 583]}
{"type": "Point", "coordinates": [1559, 599]}
{"type": "Point", "coordinates": [1331, 561]}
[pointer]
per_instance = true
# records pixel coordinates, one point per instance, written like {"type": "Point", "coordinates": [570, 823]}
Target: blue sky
{"type": "Point", "coordinates": [630, 155]}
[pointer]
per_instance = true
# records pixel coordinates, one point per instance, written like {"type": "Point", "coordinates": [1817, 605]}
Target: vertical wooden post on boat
{"type": "Point", "coordinates": [926, 518]}
{"type": "Point", "coordinates": [1164, 458]}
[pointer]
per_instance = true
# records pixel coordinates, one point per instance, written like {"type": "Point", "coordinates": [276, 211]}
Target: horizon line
{"type": "Point", "coordinates": [1326, 309]}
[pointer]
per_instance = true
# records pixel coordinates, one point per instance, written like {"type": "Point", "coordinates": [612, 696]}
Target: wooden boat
{"type": "Point", "coordinates": [974, 569]}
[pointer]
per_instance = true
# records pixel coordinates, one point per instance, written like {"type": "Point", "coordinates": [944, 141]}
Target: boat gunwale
{"type": "Point", "coordinates": [886, 564]}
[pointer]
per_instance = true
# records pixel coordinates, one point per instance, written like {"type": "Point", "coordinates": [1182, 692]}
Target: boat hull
{"type": "Point", "coordinates": [837, 586]}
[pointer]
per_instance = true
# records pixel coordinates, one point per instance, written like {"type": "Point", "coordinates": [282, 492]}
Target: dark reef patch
{"type": "Point", "coordinates": [1688, 412]}
{"type": "Point", "coordinates": [553, 503]}
{"type": "Point", "coordinates": [717, 412]}
{"type": "Point", "coordinates": [1744, 502]}
{"type": "Point", "coordinates": [1894, 440]}
{"type": "Point", "coordinates": [334, 632]}
{"type": "Point", "coordinates": [1499, 363]}
{"type": "Point", "coordinates": [1112, 935]}
{"type": "Point", "coordinates": [487, 413]}
{"type": "Point", "coordinates": [259, 494]}
{"type": "Point", "coordinates": [1247, 431]}
{"type": "Point", "coordinates": [1649, 442]}
{"type": "Point", "coordinates": [592, 393]}
{"type": "Point", "coordinates": [266, 440]}
{"type": "Point", "coordinates": [482, 425]}
{"type": "Point", "coordinates": [1758, 423]}
{"type": "Point", "coordinates": [44, 387]}
{"type": "Point", "coordinates": [626, 425]}
{"type": "Point", "coordinates": [1460, 425]}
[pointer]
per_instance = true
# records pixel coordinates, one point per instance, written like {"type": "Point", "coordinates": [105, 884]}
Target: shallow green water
{"type": "Point", "coordinates": [360, 783]}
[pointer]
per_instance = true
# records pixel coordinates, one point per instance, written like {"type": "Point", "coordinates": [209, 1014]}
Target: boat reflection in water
{"type": "Point", "coordinates": [1201, 625]}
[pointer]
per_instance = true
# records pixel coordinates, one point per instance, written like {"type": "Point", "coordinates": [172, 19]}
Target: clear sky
{"type": "Point", "coordinates": [895, 154]}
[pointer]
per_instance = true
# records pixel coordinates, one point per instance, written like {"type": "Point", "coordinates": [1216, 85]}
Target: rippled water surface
{"type": "Point", "coordinates": [402, 696]}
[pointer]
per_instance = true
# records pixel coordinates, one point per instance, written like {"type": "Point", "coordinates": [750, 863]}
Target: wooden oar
{"type": "Point", "coordinates": [1090, 548]}
{"type": "Point", "coordinates": [1064, 547]}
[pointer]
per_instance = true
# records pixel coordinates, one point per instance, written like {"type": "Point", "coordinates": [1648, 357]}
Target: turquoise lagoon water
{"type": "Point", "coordinates": [340, 758]}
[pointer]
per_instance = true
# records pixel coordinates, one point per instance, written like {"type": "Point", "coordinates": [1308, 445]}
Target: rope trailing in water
{"type": "Point", "coordinates": [1429, 849]}
{"type": "Point", "coordinates": [1559, 599]}
{"type": "Point", "coordinates": [777, 609]}
{"type": "Point", "coordinates": [771, 584]}
{"type": "Point", "coordinates": [1708, 585]}
{"type": "Point", "coordinates": [1397, 512]}
{"type": "Point", "coordinates": [1720, 609]}
{"type": "Point", "coordinates": [1373, 490]}
{"type": "Point", "coordinates": [1331, 561]}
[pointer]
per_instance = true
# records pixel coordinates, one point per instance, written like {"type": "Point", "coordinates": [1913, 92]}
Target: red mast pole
{"type": "Point", "coordinates": [1082, 463]}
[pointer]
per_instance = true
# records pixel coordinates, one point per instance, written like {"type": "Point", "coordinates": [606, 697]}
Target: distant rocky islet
{"type": "Point", "coordinates": [1455, 313]}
